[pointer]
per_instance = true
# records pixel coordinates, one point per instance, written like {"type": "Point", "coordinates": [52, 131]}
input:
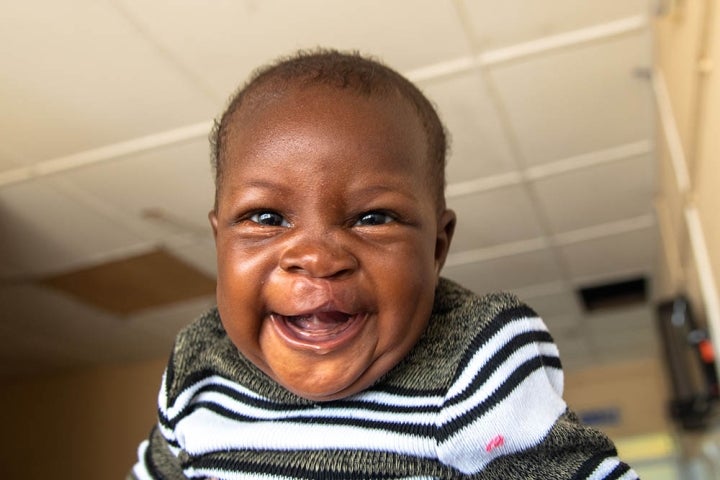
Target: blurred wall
{"type": "Point", "coordinates": [633, 391]}
{"type": "Point", "coordinates": [687, 86]}
{"type": "Point", "coordinates": [78, 425]}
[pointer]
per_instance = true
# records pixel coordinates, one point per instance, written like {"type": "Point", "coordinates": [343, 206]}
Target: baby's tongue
{"type": "Point", "coordinates": [319, 322]}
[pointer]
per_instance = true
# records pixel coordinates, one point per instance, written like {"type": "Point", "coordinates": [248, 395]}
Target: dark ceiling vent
{"type": "Point", "coordinates": [613, 295]}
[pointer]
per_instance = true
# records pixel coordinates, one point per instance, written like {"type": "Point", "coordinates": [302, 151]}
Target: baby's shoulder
{"type": "Point", "coordinates": [201, 332]}
{"type": "Point", "coordinates": [201, 349]}
{"type": "Point", "coordinates": [472, 314]}
{"type": "Point", "coordinates": [461, 325]}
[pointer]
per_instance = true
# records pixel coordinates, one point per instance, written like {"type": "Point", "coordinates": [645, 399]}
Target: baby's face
{"type": "Point", "coordinates": [328, 239]}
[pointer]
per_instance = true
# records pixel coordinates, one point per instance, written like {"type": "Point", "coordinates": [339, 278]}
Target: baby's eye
{"type": "Point", "coordinates": [270, 219]}
{"type": "Point", "coordinates": [374, 218]}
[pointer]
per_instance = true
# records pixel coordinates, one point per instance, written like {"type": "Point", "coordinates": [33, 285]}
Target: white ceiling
{"type": "Point", "coordinates": [105, 108]}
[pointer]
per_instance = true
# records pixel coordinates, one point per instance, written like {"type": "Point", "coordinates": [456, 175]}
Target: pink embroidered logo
{"type": "Point", "coordinates": [496, 442]}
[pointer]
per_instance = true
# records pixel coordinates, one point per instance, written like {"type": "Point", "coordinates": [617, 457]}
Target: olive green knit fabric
{"type": "Point", "coordinates": [460, 322]}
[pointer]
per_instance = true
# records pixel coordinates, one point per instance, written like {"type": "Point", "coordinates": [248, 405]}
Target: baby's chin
{"type": "Point", "coordinates": [328, 391]}
{"type": "Point", "coordinates": [322, 380]}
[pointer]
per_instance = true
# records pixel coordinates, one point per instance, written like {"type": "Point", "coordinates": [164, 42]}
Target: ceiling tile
{"type": "Point", "coordinates": [561, 105]}
{"type": "Point", "coordinates": [133, 284]}
{"type": "Point", "coordinates": [483, 218]}
{"type": "Point", "coordinates": [625, 339]}
{"type": "Point", "coordinates": [613, 320]}
{"type": "Point", "coordinates": [44, 230]}
{"type": "Point", "coordinates": [84, 79]}
{"type": "Point", "coordinates": [624, 333]}
{"type": "Point", "coordinates": [612, 257]}
{"type": "Point", "coordinates": [7, 160]}
{"type": "Point", "coordinates": [171, 192]}
{"type": "Point", "coordinates": [598, 194]}
{"type": "Point", "coordinates": [223, 41]}
{"type": "Point", "coordinates": [51, 321]}
{"type": "Point", "coordinates": [518, 21]}
{"type": "Point", "coordinates": [477, 143]}
{"type": "Point", "coordinates": [166, 322]}
{"type": "Point", "coordinates": [85, 334]}
{"type": "Point", "coordinates": [199, 254]}
{"type": "Point", "coordinates": [574, 350]}
{"type": "Point", "coordinates": [612, 336]}
{"type": "Point", "coordinates": [506, 273]}
{"type": "Point", "coordinates": [558, 310]}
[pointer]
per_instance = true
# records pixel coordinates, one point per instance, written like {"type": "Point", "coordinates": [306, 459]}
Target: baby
{"type": "Point", "coordinates": [336, 349]}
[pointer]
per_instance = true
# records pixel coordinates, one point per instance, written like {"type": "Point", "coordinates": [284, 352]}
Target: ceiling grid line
{"type": "Point", "coordinates": [593, 232]}
{"type": "Point", "coordinates": [591, 159]}
{"type": "Point", "coordinates": [103, 209]}
{"type": "Point", "coordinates": [496, 251]}
{"type": "Point", "coordinates": [508, 133]}
{"type": "Point", "coordinates": [115, 151]}
{"type": "Point", "coordinates": [522, 51]}
{"type": "Point", "coordinates": [172, 60]}
{"type": "Point", "coordinates": [605, 230]}
{"type": "Point", "coordinates": [514, 146]}
{"type": "Point", "coordinates": [550, 169]}
{"type": "Point", "coordinates": [565, 40]}
{"type": "Point", "coordinates": [520, 165]}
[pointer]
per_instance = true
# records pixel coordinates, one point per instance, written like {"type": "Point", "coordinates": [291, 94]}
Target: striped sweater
{"type": "Point", "coordinates": [479, 396]}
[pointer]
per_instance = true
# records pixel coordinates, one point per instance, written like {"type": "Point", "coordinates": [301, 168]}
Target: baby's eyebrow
{"type": "Point", "coordinates": [260, 184]}
{"type": "Point", "coordinates": [379, 189]}
{"type": "Point", "coordinates": [250, 187]}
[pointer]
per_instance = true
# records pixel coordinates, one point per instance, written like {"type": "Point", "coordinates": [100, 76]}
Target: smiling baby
{"type": "Point", "coordinates": [336, 349]}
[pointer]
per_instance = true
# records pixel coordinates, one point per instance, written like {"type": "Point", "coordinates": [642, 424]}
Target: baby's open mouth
{"type": "Point", "coordinates": [319, 330]}
{"type": "Point", "coordinates": [322, 324]}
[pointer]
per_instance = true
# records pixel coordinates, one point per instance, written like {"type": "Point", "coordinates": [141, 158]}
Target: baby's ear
{"type": "Point", "coordinates": [212, 216]}
{"type": "Point", "coordinates": [445, 231]}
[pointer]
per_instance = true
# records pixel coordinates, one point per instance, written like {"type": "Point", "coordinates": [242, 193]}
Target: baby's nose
{"type": "Point", "coordinates": [318, 256]}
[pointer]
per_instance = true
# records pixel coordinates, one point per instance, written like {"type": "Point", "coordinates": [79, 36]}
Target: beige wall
{"type": "Point", "coordinates": [636, 389]}
{"type": "Point", "coordinates": [81, 425]}
{"type": "Point", "coordinates": [707, 168]}
{"type": "Point", "coordinates": [688, 69]}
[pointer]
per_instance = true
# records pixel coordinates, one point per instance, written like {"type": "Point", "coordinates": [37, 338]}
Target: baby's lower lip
{"type": "Point", "coordinates": [321, 332]}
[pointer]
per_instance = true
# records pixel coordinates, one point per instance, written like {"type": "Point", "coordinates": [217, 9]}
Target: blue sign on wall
{"type": "Point", "coordinates": [600, 416]}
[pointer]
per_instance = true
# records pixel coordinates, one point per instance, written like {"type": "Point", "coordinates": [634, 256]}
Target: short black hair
{"type": "Point", "coordinates": [342, 70]}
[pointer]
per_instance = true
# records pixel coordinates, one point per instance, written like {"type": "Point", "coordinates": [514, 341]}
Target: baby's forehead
{"type": "Point", "coordinates": [329, 116]}
{"type": "Point", "coordinates": [267, 107]}
{"type": "Point", "coordinates": [298, 109]}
